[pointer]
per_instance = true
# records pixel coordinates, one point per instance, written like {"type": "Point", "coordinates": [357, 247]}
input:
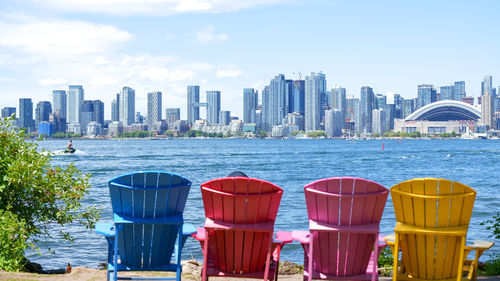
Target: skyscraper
{"type": "Point", "coordinates": [366, 109]}
{"type": "Point", "coordinates": [487, 108]}
{"type": "Point", "coordinates": [213, 107]}
{"type": "Point", "coordinates": [25, 114]}
{"type": "Point", "coordinates": [297, 102]}
{"type": "Point", "coordinates": [379, 121]}
{"type": "Point", "coordinates": [250, 104]}
{"type": "Point", "coordinates": [87, 114]}
{"type": "Point", "coordinates": [193, 98]}
{"type": "Point", "coordinates": [127, 106]}
{"type": "Point", "coordinates": [426, 95]}
{"type": "Point", "coordinates": [459, 90]}
{"type": "Point", "coordinates": [486, 85]}
{"type": "Point", "coordinates": [225, 117]}
{"type": "Point", "coordinates": [42, 112]}
{"type": "Point", "coordinates": [315, 87]}
{"type": "Point", "coordinates": [98, 112]}
{"type": "Point", "coordinates": [154, 108]}
{"type": "Point", "coordinates": [8, 111]}
{"type": "Point", "coordinates": [334, 122]}
{"type": "Point", "coordinates": [447, 93]}
{"type": "Point", "coordinates": [74, 103]}
{"type": "Point", "coordinates": [266, 110]}
{"type": "Point", "coordinates": [59, 103]}
{"type": "Point", "coordinates": [115, 109]}
{"type": "Point", "coordinates": [171, 116]}
{"type": "Point", "coordinates": [339, 100]}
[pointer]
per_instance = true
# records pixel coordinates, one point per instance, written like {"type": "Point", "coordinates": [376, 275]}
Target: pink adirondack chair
{"type": "Point", "coordinates": [342, 242]}
{"type": "Point", "coordinates": [237, 240]}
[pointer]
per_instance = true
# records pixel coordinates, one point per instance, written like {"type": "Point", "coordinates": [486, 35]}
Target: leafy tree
{"type": "Point", "coordinates": [317, 134]}
{"type": "Point", "coordinates": [453, 134]}
{"type": "Point", "coordinates": [376, 135]}
{"type": "Point", "coordinates": [34, 194]}
{"type": "Point", "coordinates": [261, 134]}
{"type": "Point", "coordinates": [169, 134]}
{"type": "Point", "coordinates": [294, 133]}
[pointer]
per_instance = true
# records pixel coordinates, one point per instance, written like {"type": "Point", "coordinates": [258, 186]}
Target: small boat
{"type": "Point", "coordinates": [72, 150]}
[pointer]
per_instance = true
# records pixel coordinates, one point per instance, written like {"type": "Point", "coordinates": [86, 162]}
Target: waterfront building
{"type": "Point", "coordinates": [74, 128]}
{"type": "Point", "coordinates": [74, 102]}
{"type": "Point", "coordinates": [380, 101]}
{"type": "Point", "coordinates": [487, 85]}
{"type": "Point", "coordinates": [315, 88]}
{"type": "Point", "coordinates": [58, 122]}
{"type": "Point", "coordinates": [225, 117]}
{"type": "Point", "coordinates": [93, 129]}
{"type": "Point", "coordinates": [115, 109]}
{"type": "Point", "coordinates": [497, 120]}
{"type": "Point", "coordinates": [127, 106]}
{"type": "Point", "coordinates": [42, 112]}
{"type": "Point", "coordinates": [138, 118]}
{"type": "Point", "coordinates": [334, 123]}
{"type": "Point", "coordinates": [297, 100]}
{"type": "Point", "coordinates": [154, 109]}
{"type": "Point", "coordinates": [379, 121]}
{"type": "Point", "coordinates": [276, 101]}
{"type": "Point", "coordinates": [171, 116]}
{"type": "Point", "coordinates": [8, 111]}
{"type": "Point", "coordinates": [339, 100]}
{"type": "Point", "coordinates": [59, 103]}
{"type": "Point", "coordinates": [193, 100]}
{"type": "Point", "coordinates": [459, 90]}
{"type": "Point", "coordinates": [440, 117]}
{"type": "Point", "coordinates": [447, 93]}
{"type": "Point", "coordinates": [98, 116]}
{"type": "Point", "coordinates": [426, 95]}
{"type": "Point", "coordinates": [487, 110]}
{"type": "Point", "coordinates": [115, 128]}
{"type": "Point", "coordinates": [366, 109]}
{"type": "Point", "coordinates": [294, 119]}
{"type": "Point", "coordinates": [213, 107]}
{"type": "Point", "coordinates": [250, 104]}
{"type": "Point", "coordinates": [25, 114]}
{"type": "Point", "coordinates": [469, 100]}
{"type": "Point", "coordinates": [352, 113]}
{"type": "Point", "coordinates": [45, 128]}
{"type": "Point", "coordinates": [87, 114]}
{"type": "Point", "coordinates": [265, 110]}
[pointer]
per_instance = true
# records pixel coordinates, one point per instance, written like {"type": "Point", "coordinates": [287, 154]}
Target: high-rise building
{"type": "Point", "coordinates": [8, 111]}
{"type": "Point", "coordinates": [87, 114]}
{"type": "Point", "coordinates": [486, 85]}
{"type": "Point", "coordinates": [379, 101]}
{"type": "Point", "coordinates": [459, 90]}
{"type": "Point", "coordinates": [275, 102]}
{"type": "Point", "coordinates": [59, 102]}
{"type": "Point", "coordinates": [447, 93]}
{"type": "Point", "coordinates": [408, 107]}
{"type": "Point", "coordinates": [42, 112]}
{"type": "Point", "coordinates": [98, 112]}
{"type": "Point", "coordinates": [74, 103]}
{"type": "Point", "coordinates": [171, 116]}
{"type": "Point", "coordinates": [315, 88]}
{"type": "Point", "coordinates": [339, 100]}
{"type": "Point", "coordinates": [487, 110]}
{"type": "Point", "coordinates": [250, 104]}
{"type": "Point", "coordinates": [352, 114]}
{"type": "Point", "coordinates": [366, 109]}
{"type": "Point", "coordinates": [334, 122]}
{"type": "Point", "coordinates": [127, 106]}
{"type": "Point", "coordinates": [297, 102]}
{"type": "Point", "coordinates": [115, 109]}
{"type": "Point", "coordinates": [193, 99]}
{"type": "Point", "coordinates": [426, 95]}
{"type": "Point", "coordinates": [379, 121]}
{"type": "Point", "coordinates": [213, 107]}
{"type": "Point", "coordinates": [25, 114]}
{"type": "Point", "coordinates": [225, 117]}
{"type": "Point", "coordinates": [154, 109]}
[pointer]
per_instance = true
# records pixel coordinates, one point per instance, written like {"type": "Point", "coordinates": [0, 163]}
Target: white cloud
{"type": "Point", "coordinates": [59, 39]}
{"type": "Point", "coordinates": [222, 73]}
{"type": "Point", "coordinates": [152, 7]}
{"type": "Point", "coordinates": [58, 81]}
{"type": "Point", "coordinates": [208, 35]}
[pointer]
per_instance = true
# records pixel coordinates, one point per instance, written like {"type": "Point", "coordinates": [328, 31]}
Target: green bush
{"type": "Point", "coordinates": [386, 261]}
{"type": "Point", "coordinates": [13, 237]}
{"type": "Point", "coordinates": [491, 267]}
{"type": "Point", "coordinates": [36, 193]}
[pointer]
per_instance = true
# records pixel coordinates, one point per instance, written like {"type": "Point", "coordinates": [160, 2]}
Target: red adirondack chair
{"type": "Point", "coordinates": [342, 242]}
{"type": "Point", "coordinates": [237, 240]}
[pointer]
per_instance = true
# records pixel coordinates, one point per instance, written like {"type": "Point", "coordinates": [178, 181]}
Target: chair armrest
{"type": "Point", "coordinates": [174, 219]}
{"type": "Point", "coordinates": [283, 237]}
{"type": "Point", "coordinates": [301, 236]}
{"type": "Point", "coordinates": [188, 229]}
{"type": "Point", "coordinates": [390, 239]}
{"type": "Point", "coordinates": [200, 234]}
{"type": "Point", "coordinates": [105, 228]}
{"type": "Point", "coordinates": [480, 245]}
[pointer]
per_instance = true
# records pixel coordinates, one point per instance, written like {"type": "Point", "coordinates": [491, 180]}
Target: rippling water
{"type": "Point", "coordinates": [288, 163]}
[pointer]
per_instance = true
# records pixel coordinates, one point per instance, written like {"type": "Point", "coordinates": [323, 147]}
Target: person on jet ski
{"type": "Point", "coordinates": [70, 145]}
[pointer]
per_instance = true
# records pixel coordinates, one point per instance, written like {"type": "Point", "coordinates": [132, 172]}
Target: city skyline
{"type": "Point", "coordinates": [166, 45]}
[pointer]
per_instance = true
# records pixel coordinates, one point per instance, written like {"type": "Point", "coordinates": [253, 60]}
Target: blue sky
{"type": "Point", "coordinates": [228, 45]}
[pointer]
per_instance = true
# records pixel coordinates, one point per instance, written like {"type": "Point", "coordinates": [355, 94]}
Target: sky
{"type": "Point", "coordinates": [227, 45]}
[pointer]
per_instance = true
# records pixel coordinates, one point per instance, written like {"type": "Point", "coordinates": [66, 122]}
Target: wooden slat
{"type": "Point", "coordinates": [408, 241]}
{"type": "Point", "coordinates": [228, 204]}
{"type": "Point", "coordinates": [333, 211]}
{"type": "Point", "coordinates": [430, 188]}
{"type": "Point", "coordinates": [419, 209]}
{"type": "Point", "coordinates": [347, 187]}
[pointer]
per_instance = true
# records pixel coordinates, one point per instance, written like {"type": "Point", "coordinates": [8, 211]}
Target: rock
{"type": "Point", "coordinates": [290, 268]}
{"type": "Point", "coordinates": [191, 269]}
{"type": "Point", "coordinates": [33, 267]}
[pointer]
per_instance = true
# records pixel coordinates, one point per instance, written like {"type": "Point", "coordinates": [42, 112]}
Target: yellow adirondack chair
{"type": "Point", "coordinates": [432, 220]}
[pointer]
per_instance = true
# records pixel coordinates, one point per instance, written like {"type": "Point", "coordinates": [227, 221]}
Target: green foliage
{"type": "Point", "coordinates": [13, 236]}
{"type": "Point", "coordinates": [491, 267]}
{"type": "Point", "coordinates": [317, 134]}
{"type": "Point", "coordinates": [493, 225]}
{"type": "Point", "coordinates": [136, 134]}
{"type": "Point", "coordinates": [261, 134]}
{"type": "Point", "coordinates": [294, 133]}
{"type": "Point", "coordinates": [37, 193]}
{"type": "Point", "coordinates": [169, 134]}
{"type": "Point", "coordinates": [376, 135]}
{"type": "Point", "coordinates": [62, 135]}
{"type": "Point", "coordinates": [414, 134]}
{"type": "Point", "coordinates": [386, 261]}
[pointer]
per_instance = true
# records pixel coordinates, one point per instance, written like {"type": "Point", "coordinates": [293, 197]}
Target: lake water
{"type": "Point", "coordinates": [289, 164]}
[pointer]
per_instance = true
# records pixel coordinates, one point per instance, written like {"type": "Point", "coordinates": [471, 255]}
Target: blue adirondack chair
{"type": "Point", "coordinates": [148, 223]}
